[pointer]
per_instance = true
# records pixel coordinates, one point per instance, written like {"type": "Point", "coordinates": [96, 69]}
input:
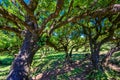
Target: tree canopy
{"type": "Point", "coordinates": [42, 22]}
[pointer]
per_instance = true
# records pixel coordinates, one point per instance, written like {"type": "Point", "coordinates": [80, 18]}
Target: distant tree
{"type": "Point", "coordinates": [34, 18]}
{"type": "Point", "coordinates": [67, 39]}
{"type": "Point", "coordinates": [99, 31]}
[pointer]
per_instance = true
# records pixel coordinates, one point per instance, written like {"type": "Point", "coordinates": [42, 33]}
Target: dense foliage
{"type": "Point", "coordinates": [29, 26]}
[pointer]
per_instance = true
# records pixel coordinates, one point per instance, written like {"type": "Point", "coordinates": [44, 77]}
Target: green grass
{"type": "Point", "coordinates": [56, 60]}
{"type": "Point", "coordinates": [5, 62]}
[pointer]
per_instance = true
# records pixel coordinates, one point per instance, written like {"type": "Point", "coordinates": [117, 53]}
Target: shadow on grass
{"type": "Point", "coordinates": [5, 67]}
{"type": "Point", "coordinates": [52, 67]}
{"type": "Point", "coordinates": [51, 64]}
{"type": "Point", "coordinates": [6, 61]}
{"type": "Point", "coordinates": [47, 63]}
{"type": "Point", "coordinates": [52, 61]}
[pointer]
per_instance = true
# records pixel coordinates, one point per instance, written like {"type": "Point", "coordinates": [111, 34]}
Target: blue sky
{"type": "Point", "coordinates": [27, 1]}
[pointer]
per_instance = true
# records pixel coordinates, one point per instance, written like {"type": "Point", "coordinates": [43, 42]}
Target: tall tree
{"type": "Point", "coordinates": [99, 31]}
{"type": "Point", "coordinates": [66, 39]}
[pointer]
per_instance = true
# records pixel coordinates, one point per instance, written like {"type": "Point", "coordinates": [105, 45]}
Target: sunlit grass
{"type": "Point", "coordinates": [112, 74]}
{"type": "Point", "coordinates": [56, 60]}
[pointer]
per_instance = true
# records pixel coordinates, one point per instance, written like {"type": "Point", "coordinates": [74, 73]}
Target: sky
{"type": "Point", "coordinates": [26, 1]}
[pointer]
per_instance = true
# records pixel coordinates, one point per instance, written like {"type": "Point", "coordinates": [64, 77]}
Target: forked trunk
{"type": "Point", "coordinates": [21, 66]}
{"type": "Point", "coordinates": [69, 54]}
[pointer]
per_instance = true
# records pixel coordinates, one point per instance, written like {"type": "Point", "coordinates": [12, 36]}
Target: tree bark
{"type": "Point", "coordinates": [70, 53]}
{"type": "Point", "coordinates": [95, 49]}
{"type": "Point", "coordinates": [67, 57]}
{"type": "Point", "coordinates": [95, 58]}
{"type": "Point", "coordinates": [20, 68]}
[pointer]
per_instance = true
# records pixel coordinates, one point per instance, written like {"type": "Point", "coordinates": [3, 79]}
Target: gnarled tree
{"type": "Point", "coordinates": [36, 17]}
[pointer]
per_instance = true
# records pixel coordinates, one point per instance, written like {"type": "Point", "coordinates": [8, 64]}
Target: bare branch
{"type": "Point", "coordinates": [8, 20]}
{"type": "Point", "coordinates": [53, 15]}
{"type": "Point", "coordinates": [13, 18]}
{"type": "Point", "coordinates": [111, 10]}
{"type": "Point", "coordinates": [8, 28]}
{"type": "Point", "coordinates": [28, 10]}
{"type": "Point", "coordinates": [71, 5]}
{"type": "Point", "coordinates": [68, 12]}
{"type": "Point", "coordinates": [25, 7]}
